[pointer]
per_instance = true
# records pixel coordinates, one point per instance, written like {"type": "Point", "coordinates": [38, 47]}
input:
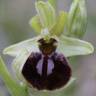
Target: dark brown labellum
{"type": "Point", "coordinates": [46, 71]}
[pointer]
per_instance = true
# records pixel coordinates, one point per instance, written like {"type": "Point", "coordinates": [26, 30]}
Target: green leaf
{"type": "Point", "coordinates": [60, 24]}
{"type": "Point", "coordinates": [14, 88]}
{"type": "Point", "coordinates": [46, 13]}
{"type": "Point", "coordinates": [71, 46]}
{"type": "Point", "coordinates": [35, 24]}
{"type": "Point", "coordinates": [77, 19]}
{"type": "Point", "coordinates": [27, 46]}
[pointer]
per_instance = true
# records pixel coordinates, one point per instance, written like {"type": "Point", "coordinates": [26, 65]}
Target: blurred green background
{"type": "Point", "coordinates": [14, 27]}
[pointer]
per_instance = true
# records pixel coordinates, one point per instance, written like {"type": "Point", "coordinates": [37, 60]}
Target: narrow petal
{"type": "Point", "coordinates": [35, 24]}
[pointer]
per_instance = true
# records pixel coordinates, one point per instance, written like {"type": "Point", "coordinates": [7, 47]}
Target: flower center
{"type": "Point", "coordinates": [47, 48]}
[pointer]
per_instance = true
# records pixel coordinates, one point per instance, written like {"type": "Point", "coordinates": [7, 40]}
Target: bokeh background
{"type": "Point", "coordinates": [14, 27]}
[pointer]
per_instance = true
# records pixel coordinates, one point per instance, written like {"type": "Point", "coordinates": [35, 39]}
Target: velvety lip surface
{"type": "Point", "coordinates": [46, 72]}
{"type": "Point", "coordinates": [47, 69]}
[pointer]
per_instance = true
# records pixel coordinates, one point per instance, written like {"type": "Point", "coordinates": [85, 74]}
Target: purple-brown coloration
{"type": "Point", "coordinates": [47, 48]}
{"type": "Point", "coordinates": [47, 70]}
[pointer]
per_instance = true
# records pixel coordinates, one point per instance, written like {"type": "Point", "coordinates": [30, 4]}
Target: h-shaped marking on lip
{"type": "Point", "coordinates": [45, 67]}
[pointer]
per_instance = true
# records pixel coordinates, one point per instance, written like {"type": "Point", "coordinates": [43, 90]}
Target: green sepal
{"type": "Point", "coordinates": [14, 88]}
{"type": "Point", "coordinates": [60, 24]}
{"type": "Point", "coordinates": [46, 13]}
{"type": "Point", "coordinates": [35, 24]}
{"type": "Point", "coordinates": [66, 45]}
{"type": "Point", "coordinates": [29, 45]}
{"type": "Point", "coordinates": [77, 19]}
{"type": "Point", "coordinates": [71, 46]}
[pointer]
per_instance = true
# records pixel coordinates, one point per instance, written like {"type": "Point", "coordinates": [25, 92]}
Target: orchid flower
{"type": "Point", "coordinates": [41, 63]}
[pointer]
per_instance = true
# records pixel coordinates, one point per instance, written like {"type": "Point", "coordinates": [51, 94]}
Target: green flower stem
{"type": "Point", "coordinates": [14, 88]}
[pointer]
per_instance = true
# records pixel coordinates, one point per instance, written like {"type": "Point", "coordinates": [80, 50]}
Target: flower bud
{"type": "Point", "coordinates": [77, 19]}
